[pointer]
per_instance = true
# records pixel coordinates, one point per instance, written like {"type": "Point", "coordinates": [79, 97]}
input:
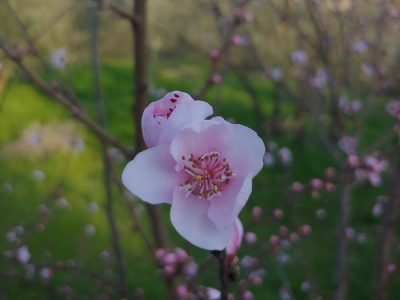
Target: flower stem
{"type": "Point", "coordinates": [223, 272]}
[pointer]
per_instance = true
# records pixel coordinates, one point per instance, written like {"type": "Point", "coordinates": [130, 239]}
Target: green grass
{"type": "Point", "coordinates": [77, 176]}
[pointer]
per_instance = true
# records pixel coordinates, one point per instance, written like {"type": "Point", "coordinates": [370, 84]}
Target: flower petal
{"type": "Point", "coordinates": [225, 208]}
{"type": "Point", "coordinates": [236, 238]}
{"type": "Point", "coordinates": [150, 126]}
{"type": "Point", "coordinates": [245, 149]}
{"type": "Point", "coordinates": [190, 219]}
{"type": "Point", "coordinates": [198, 138]}
{"type": "Point", "coordinates": [151, 175]}
{"type": "Point", "coordinates": [183, 114]}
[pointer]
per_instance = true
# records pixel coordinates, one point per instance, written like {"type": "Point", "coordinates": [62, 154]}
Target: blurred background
{"type": "Point", "coordinates": [318, 80]}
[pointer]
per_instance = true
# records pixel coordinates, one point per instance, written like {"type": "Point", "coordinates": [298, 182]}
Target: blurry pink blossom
{"type": "Point", "coordinates": [237, 40]}
{"type": "Point", "coordinates": [247, 295]}
{"type": "Point", "coordinates": [216, 79]}
{"type": "Point", "coordinates": [278, 213]}
{"type": "Point", "coordinates": [284, 293]}
{"type": "Point", "coordinates": [183, 291]}
{"type": "Point", "coordinates": [250, 237]}
{"type": "Point", "coordinates": [305, 286]}
{"type": "Point", "coordinates": [393, 108]}
{"type": "Point", "coordinates": [297, 187]}
{"type": "Point", "coordinates": [285, 156]}
{"type": "Point", "coordinates": [160, 253]}
{"type": "Point", "coordinates": [249, 262]}
{"type": "Point", "coordinates": [45, 273]}
{"type": "Point", "coordinates": [235, 241]}
{"type": "Point", "coordinates": [348, 145]}
{"type": "Point", "coordinates": [203, 213]}
{"type": "Point", "coordinates": [90, 230]}
{"type": "Point", "coordinates": [213, 294]}
{"type": "Point", "coordinates": [162, 119]}
{"type": "Point", "coordinates": [105, 255]}
{"type": "Point", "coordinates": [350, 233]}
{"type": "Point", "coordinates": [276, 74]}
{"type": "Point", "coordinates": [320, 79]}
{"type": "Point", "coordinates": [181, 254]}
{"type": "Point", "coordinates": [293, 237]}
{"type": "Point", "coordinates": [368, 69]}
{"type": "Point", "coordinates": [58, 59]}
{"type": "Point", "coordinates": [329, 186]}
{"type": "Point", "coordinates": [62, 203]}
{"type": "Point", "coordinates": [169, 270]}
{"type": "Point", "coordinates": [300, 57]}
{"type": "Point", "coordinates": [330, 173]}
{"type": "Point", "coordinates": [38, 175]}
{"type": "Point", "coordinates": [283, 230]}
{"type": "Point", "coordinates": [272, 146]}
{"type": "Point", "coordinates": [321, 214]}
{"type": "Point", "coordinates": [360, 47]}
{"type": "Point", "coordinates": [256, 213]}
{"type": "Point", "coordinates": [269, 159]}
{"type": "Point", "coordinates": [316, 184]}
{"type": "Point", "coordinates": [392, 268]}
{"type": "Point", "coordinates": [305, 229]}
{"type": "Point", "coordinates": [93, 207]}
{"type": "Point", "coordinates": [214, 53]}
{"type": "Point", "coordinates": [22, 255]}
{"type": "Point", "coordinates": [231, 297]}
{"type": "Point", "coordinates": [274, 240]}
{"type": "Point", "coordinates": [169, 259]}
{"type": "Point", "coordinates": [30, 271]}
{"type": "Point", "coordinates": [353, 161]}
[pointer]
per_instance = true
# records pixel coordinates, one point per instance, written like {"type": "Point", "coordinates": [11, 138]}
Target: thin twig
{"type": "Point", "coordinates": [55, 95]}
{"type": "Point", "coordinates": [223, 272]}
{"type": "Point", "coordinates": [119, 11]}
{"type": "Point", "coordinates": [106, 160]}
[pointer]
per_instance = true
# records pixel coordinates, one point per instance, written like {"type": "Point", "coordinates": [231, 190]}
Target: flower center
{"type": "Point", "coordinates": [206, 175]}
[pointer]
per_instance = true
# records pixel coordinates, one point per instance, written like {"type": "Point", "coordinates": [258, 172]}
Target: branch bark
{"type": "Point", "coordinates": [223, 272]}
{"type": "Point", "coordinates": [388, 236]}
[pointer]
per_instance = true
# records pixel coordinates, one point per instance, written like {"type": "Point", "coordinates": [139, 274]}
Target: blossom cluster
{"type": "Point", "coordinates": [203, 168]}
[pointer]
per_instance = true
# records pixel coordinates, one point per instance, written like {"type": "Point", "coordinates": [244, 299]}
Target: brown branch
{"type": "Point", "coordinates": [120, 12]}
{"type": "Point", "coordinates": [106, 160]}
{"type": "Point", "coordinates": [388, 236]}
{"type": "Point", "coordinates": [223, 50]}
{"type": "Point", "coordinates": [343, 222]}
{"type": "Point", "coordinates": [223, 272]}
{"type": "Point", "coordinates": [55, 95]}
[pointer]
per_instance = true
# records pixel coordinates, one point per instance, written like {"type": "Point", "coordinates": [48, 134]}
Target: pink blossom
{"type": "Point", "coordinates": [90, 230]}
{"type": "Point", "coordinates": [283, 230]}
{"type": "Point", "coordinates": [206, 174]}
{"type": "Point", "coordinates": [392, 268]}
{"type": "Point", "coordinates": [250, 237]}
{"type": "Point", "coordinates": [393, 108]}
{"type": "Point", "coordinates": [213, 294]}
{"type": "Point", "coordinates": [62, 203]}
{"type": "Point", "coordinates": [236, 240]}
{"type": "Point", "coordinates": [317, 184]}
{"type": "Point", "coordinates": [321, 214]}
{"type": "Point", "coordinates": [278, 213]}
{"type": "Point", "coordinates": [23, 255]}
{"type": "Point", "coordinates": [181, 254]}
{"type": "Point", "coordinates": [231, 297]}
{"type": "Point", "coordinates": [160, 253]}
{"type": "Point", "coordinates": [58, 58]}
{"type": "Point", "coordinates": [285, 156]}
{"type": "Point", "coordinates": [169, 259]}
{"type": "Point", "coordinates": [350, 232]}
{"type": "Point", "coordinates": [214, 53]}
{"type": "Point", "coordinates": [297, 187]}
{"type": "Point", "coordinates": [300, 57]}
{"type": "Point", "coordinates": [216, 79]}
{"type": "Point", "coordinates": [353, 161]}
{"type": "Point", "coordinates": [360, 47]}
{"type": "Point", "coordinates": [320, 79]}
{"type": "Point", "coordinates": [330, 173]}
{"type": "Point", "coordinates": [162, 119]}
{"type": "Point", "coordinates": [293, 237]}
{"type": "Point", "coordinates": [236, 40]}
{"type": "Point", "coordinates": [169, 270]}
{"type": "Point", "coordinates": [377, 210]}
{"type": "Point", "coordinates": [247, 295]}
{"type": "Point", "coordinates": [276, 74]}
{"type": "Point", "coordinates": [274, 240]}
{"type": "Point", "coordinates": [305, 229]}
{"type": "Point", "coordinates": [256, 212]}
{"type": "Point", "coordinates": [348, 145]}
{"type": "Point", "coordinates": [368, 69]}
{"type": "Point", "coordinates": [269, 159]}
{"type": "Point", "coordinates": [305, 286]}
{"type": "Point", "coordinates": [329, 186]}
{"type": "Point", "coordinates": [183, 291]}
{"type": "Point", "coordinates": [45, 273]}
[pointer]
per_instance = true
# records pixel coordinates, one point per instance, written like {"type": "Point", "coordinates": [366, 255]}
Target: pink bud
{"type": "Point", "coordinates": [235, 240]}
{"type": "Point", "coordinates": [330, 173]}
{"type": "Point", "coordinates": [215, 79]}
{"type": "Point", "coordinates": [231, 297]}
{"type": "Point", "coordinates": [293, 237]}
{"type": "Point", "coordinates": [170, 258]}
{"type": "Point", "coordinates": [317, 184]}
{"type": "Point", "coordinates": [297, 187]}
{"type": "Point", "coordinates": [160, 253]}
{"type": "Point", "coordinates": [329, 186]}
{"type": "Point", "coordinates": [181, 254]}
{"type": "Point", "coordinates": [274, 240]}
{"type": "Point", "coordinates": [255, 279]}
{"type": "Point", "coordinates": [350, 232]}
{"type": "Point", "coordinates": [353, 161]}
{"type": "Point", "coordinates": [305, 229]}
{"type": "Point", "coordinates": [283, 230]}
{"type": "Point", "coordinates": [250, 237]}
{"type": "Point", "coordinates": [392, 268]}
{"type": "Point", "coordinates": [169, 270]}
{"type": "Point", "coordinates": [278, 213]}
{"type": "Point", "coordinates": [256, 212]}
{"type": "Point", "coordinates": [214, 53]}
{"type": "Point", "coordinates": [247, 295]}
{"type": "Point", "coordinates": [236, 40]}
{"type": "Point", "coordinates": [183, 291]}
{"type": "Point", "coordinates": [247, 17]}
